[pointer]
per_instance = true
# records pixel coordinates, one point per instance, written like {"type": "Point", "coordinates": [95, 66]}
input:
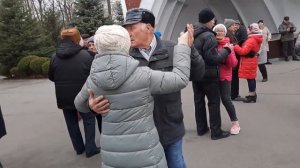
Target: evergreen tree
{"type": "Point", "coordinates": [88, 16]}
{"type": "Point", "coordinates": [52, 26]}
{"type": "Point", "coordinates": [20, 34]}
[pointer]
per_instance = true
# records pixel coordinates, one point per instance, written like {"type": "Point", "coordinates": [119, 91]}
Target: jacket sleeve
{"type": "Point", "coordinates": [269, 35]}
{"type": "Point", "coordinates": [210, 51]}
{"type": "Point", "coordinates": [297, 48]}
{"type": "Point", "coordinates": [231, 61]}
{"type": "Point", "coordinates": [81, 100]}
{"type": "Point", "coordinates": [168, 82]}
{"type": "Point", "coordinates": [245, 49]}
{"type": "Point", "coordinates": [51, 70]}
{"type": "Point", "coordinates": [281, 29]}
{"type": "Point", "coordinates": [197, 65]}
{"type": "Point", "coordinates": [295, 28]}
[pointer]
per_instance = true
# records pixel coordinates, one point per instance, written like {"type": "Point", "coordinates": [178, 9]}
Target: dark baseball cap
{"type": "Point", "coordinates": [139, 15]}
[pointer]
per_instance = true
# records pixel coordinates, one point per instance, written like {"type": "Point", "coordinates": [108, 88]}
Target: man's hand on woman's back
{"type": "Point", "coordinates": [99, 105]}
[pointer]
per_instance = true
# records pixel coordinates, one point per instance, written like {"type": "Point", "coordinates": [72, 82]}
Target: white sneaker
{"type": "Point", "coordinates": [235, 128]}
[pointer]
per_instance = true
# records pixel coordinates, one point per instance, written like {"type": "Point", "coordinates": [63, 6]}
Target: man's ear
{"type": "Point", "coordinates": [149, 27]}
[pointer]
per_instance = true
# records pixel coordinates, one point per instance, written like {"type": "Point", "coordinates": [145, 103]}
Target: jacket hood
{"type": "Point", "coordinates": [200, 28]}
{"type": "Point", "coordinates": [110, 70]}
{"type": "Point", "coordinates": [67, 49]}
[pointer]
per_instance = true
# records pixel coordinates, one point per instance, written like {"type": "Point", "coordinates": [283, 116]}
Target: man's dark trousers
{"type": "Point", "coordinates": [211, 90]}
{"type": "Point", "coordinates": [288, 47]}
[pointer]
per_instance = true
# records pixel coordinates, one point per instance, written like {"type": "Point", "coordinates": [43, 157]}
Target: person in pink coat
{"type": "Point", "coordinates": [248, 66]}
{"type": "Point", "coordinates": [226, 77]}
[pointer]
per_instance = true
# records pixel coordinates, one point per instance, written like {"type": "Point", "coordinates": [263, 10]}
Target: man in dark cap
{"type": "Point", "coordinates": [157, 54]}
{"type": "Point", "coordinates": [287, 29]}
{"type": "Point", "coordinates": [206, 44]}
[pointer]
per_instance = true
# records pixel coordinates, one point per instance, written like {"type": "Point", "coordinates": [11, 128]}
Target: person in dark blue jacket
{"type": "Point", "coordinates": [69, 69]}
{"type": "Point", "coordinates": [2, 128]}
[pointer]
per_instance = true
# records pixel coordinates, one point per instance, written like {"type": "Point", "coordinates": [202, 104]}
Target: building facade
{"type": "Point", "coordinates": [172, 15]}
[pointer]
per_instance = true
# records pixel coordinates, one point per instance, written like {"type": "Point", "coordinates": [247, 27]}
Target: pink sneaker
{"type": "Point", "coordinates": [235, 128]}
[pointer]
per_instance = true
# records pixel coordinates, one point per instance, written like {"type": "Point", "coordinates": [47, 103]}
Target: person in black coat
{"type": "Point", "coordinates": [69, 69]}
{"type": "Point", "coordinates": [2, 125]}
{"type": "Point", "coordinates": [2, 128]}
{"type": "Point", "coordinates": [206, 44]}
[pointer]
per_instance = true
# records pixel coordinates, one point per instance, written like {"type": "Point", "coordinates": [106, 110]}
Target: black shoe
{"type": "Point", "coordinates": [223, 134]}
{"type": "Point", "coordinates": [88, 155]}
{"type": "Point", "coordinates": [250, 99]}
{"type": "Point", "coordinates": [239, 98]}
{"type": "Point", "coordinates": [79, 152]}
{"type": "Point", "coordinates": [296, 59]}
{"type": "Point", "coordinates": [264, 80]}
{"type": "Point", "coordinates": [286, 58]}
{"type": "Point", "coordinates": [202, 132]}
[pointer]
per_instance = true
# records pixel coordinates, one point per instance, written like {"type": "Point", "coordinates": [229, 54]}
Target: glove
{"type": "Point", "coordinates": [251, 54]}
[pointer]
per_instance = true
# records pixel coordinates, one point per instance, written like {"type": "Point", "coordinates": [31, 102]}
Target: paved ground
{"type": "Point", "coordinates": [270, 137]}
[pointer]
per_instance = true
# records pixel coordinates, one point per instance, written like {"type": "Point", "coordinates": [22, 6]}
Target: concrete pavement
{"type": "Point", "coordinates": [270, 138]}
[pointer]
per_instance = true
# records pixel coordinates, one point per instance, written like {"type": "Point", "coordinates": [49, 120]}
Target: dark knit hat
{"type": "Point", "coordinates": [72, 34]}
{"type": "Point", "coordinates": [206, 15]}
{"type": "Point", "coordinates": [85, 36]}
{"type": "Point", "coordinates": [260, 21]}
{"type": "Point", "coordinates": [286, 18]}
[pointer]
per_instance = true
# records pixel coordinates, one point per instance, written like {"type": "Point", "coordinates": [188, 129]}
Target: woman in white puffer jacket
{"type": "Point", "coordinates": [129, 137]}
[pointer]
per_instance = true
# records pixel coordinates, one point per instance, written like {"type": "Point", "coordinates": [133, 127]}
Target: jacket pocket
{"type": "Point", "coordinates": [174, 112]}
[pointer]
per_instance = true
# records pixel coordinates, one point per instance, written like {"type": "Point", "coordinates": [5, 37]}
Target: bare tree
{"type": "Point", "coordinates": [40, 7]}
{"type": "Point", "coordinates": [109, 8]}
{"type": "Point", "coordinates": [66, 8]}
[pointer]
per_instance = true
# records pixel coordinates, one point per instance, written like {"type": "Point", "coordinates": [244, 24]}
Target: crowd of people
{"type": "Point", "coordinates": [128, 80]}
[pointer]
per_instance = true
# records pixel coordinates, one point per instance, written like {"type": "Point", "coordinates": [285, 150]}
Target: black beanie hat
{"type": "Point", "coordinates": [206, 15]}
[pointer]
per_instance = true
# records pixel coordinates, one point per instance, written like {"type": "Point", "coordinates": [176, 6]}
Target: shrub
{"type": "Point", "coordinates": [45, 67]}
{"type": "Point", "coordinates": [36, 64]}
{"type": "Point", "coordinates": [24, 63]}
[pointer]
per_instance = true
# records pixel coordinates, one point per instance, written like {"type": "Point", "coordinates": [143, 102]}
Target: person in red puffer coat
{"type": "Point", "coordinates": [248, 66]}
{"type": "Point", "coordinates": [226, 77]}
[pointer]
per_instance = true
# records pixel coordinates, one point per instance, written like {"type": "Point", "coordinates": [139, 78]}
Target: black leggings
{"type": "Point", "coordinates": [225, 91]}
{"type": "Point", "coordinates": [263, 70]}
{"type": "Point", "coordinates": [251, 85]}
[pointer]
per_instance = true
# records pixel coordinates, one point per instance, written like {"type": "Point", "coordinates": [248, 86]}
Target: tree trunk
{"type": "Point", "coordinates": [109, 8]}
